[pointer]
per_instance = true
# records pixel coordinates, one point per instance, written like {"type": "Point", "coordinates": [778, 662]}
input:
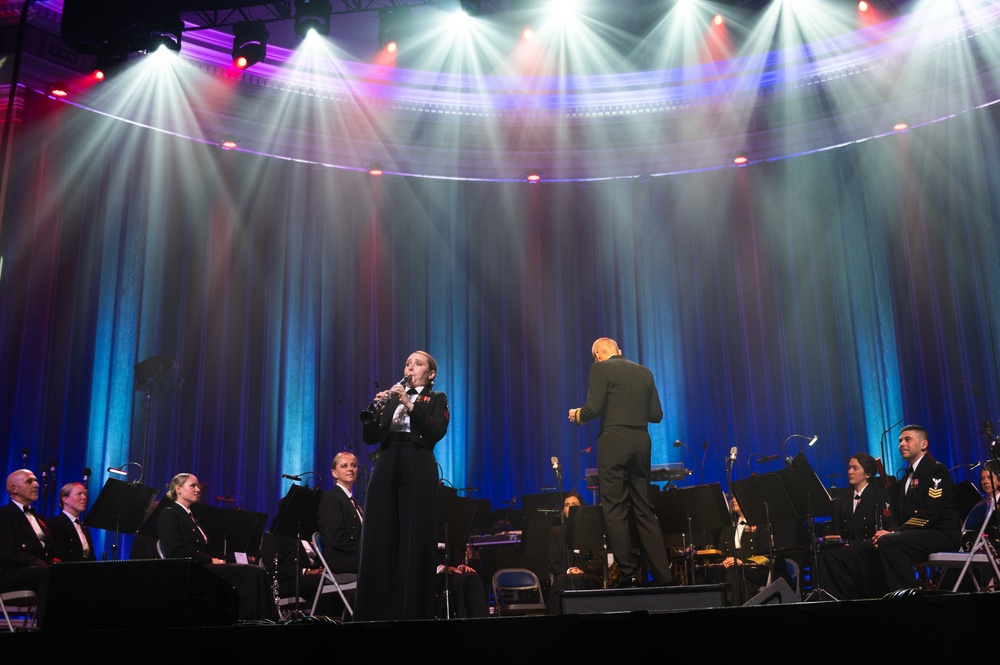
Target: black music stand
{"type": "Point", "coordinates": [586, 532]}
{"type": "Point", "coordinates": [809, 498]}
{"type": "Point", "coordinates": [455, 517]}
{"type": "Point", "coordinates": [120, 507]}
{"type": "Point", "coordinates": [297, 515]}
{"type": "Point", "coordinates": [684, 510]}
{"type": "Point", "coordinates": [764, 501]}
{"type": "Point", "coordinates": [236, 530]}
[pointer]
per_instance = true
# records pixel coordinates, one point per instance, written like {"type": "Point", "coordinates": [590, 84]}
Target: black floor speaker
{"type": "Point", "coordinates": [135, 594]}
{"type": "Point", "coordinates": [775, 593]}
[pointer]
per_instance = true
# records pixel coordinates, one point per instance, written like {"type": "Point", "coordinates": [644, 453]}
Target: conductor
{"type": "Point", "coordinates": [623, 394]}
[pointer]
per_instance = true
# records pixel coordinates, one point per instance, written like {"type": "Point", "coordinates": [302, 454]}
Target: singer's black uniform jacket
{"type": "Point", "coordinates": [181, 538]}
{"type": "Point", "coordinates": [928, 522]}
{"type": "Point", "coordinates": [338, 522]}
{"type": "Point", "coordinates": [852, 570]}
{"type": "Point", "coordinates": [66, 541]}
{"type": "Point", "coordinates": [24, 560]}
{"type": "Point", "coordinates": [399, 541]}
{"type": "Point", "coordinates": [623, 394]}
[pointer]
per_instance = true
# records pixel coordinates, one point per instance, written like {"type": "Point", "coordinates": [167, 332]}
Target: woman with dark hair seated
{"type": "Point", "coordinates": [183, 538]}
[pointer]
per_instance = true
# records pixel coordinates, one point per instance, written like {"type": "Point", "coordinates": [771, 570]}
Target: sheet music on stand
{"type": "Point", "coordinates": [120, 507]}
{"type": "Point", "coordinates": [686, 510]}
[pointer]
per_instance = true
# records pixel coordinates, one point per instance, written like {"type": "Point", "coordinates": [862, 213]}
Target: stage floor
{"type": "Point", "coordinates": [928, 624]}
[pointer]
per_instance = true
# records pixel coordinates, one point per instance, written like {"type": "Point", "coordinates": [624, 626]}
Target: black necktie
{"type": "Point", "coordinates": [412, 391]}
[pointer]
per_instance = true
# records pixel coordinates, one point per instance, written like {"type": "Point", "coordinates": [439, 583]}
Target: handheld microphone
{"type": "Point", "coordinates": [284, 475]}
{"type": "Point", "coordinates": [732, 454]}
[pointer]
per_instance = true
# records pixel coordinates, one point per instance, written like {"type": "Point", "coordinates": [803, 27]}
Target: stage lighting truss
{"type": "Point", "coordinates": [312, 15]}
{"type": "Point", "coordinates": [249, 43]}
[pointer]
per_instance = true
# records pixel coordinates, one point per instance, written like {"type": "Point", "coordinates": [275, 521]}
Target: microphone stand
{"type": "Point", "coordinates": [562, 521]}
{"type": "Point", "coordinates": [447, 574]}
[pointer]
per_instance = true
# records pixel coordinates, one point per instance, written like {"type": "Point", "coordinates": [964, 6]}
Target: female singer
{"type": "Point", "coordinates": [182, 536]}
{"type": "Point", "coordinates": [399, 539]}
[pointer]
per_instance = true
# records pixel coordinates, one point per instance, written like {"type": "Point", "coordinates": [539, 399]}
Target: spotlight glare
{"type": "Point", "coordinates": [375, 169]}
{"type": "Point", "coordinates": [533, 176]}
{"type": "Point", "coordinates": [229, 142]}
{"type": "Point", "coordinates": [900, 127]}
{"type": "Point", "coordinates": [59, 89]}
{"type": "Point", "coordinates": [863, 6]}
{"type": "Point", "coordinates": [718, 20]}
{"type": "Point", "coordinates": [527, 34]}
{"type": "Point", "coordinates": [741, 159]}
{"type": "Point", "coordinates": [98, 75]}
{"type": "Point", "coordinates": [392, 47]}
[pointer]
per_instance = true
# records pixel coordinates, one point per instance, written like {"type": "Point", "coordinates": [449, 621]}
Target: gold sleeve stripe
{"type": "Point", "coordinates": [916, 521]}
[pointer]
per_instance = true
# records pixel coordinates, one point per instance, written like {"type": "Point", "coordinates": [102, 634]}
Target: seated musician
{"type": "Point", "coordinates": [583, 570]}
{"type": "Point", "coordinates": [181, 536]}
{"type": "Point", "coordinates": [746, 564]}
{"type": "Point", "coordinates": [853, 571]}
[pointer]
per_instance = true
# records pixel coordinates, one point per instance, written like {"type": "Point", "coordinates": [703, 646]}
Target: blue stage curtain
{"type": "Point", "coordinates": [830, 294]}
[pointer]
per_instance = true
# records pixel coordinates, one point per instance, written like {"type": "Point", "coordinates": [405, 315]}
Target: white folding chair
{"type": "Point", "coordinates": [333, 582]}
{"type": "Point", "coordinates": [23, 604]}
{"type": "Point", "coordinates": [980, 552]}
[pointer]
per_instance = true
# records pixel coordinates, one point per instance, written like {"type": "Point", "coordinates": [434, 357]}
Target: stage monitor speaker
{"type": "Point", "coordinates": [775, 593]}
{"type": "Point", "coordinates": [141, 593]}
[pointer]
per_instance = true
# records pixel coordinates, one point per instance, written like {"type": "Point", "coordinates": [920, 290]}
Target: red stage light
{"type": "Point", "coordinates": [533, 176]}
{"type": "Point", "coordinates": [741, 159]}
{"type": "Point", "coordinates": [98, 75]}
{"type": "Point", "coordinates": [527, 34]}
{"type": "Point", "coordinates": [241, 62]}
{"type": "Point", "coordinates": [392, 47]}
{"type": "Point", "coordinates": [59, 89]}
{"type": "Point", "coordinates": [718, 20]}
{"type": "Point", "coordinates": [229, 143]}
{"type": "Point", "coordinates": [863, 6]}
{"type": "Point", "coordinates": [900, 127]}
{"type": "Point", "coordinates": [375, 169]}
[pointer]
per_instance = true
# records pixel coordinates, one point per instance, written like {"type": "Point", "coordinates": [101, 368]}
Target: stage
{"type": "Point", "coordinates": [936, 623]}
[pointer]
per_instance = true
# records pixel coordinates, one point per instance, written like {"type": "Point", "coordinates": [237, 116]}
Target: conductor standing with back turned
{"type": "Point", "coordinates": [623, 394]}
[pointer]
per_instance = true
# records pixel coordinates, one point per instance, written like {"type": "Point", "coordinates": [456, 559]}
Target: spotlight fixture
{"type": "Point", "coordinates": [153, 42]}
{"type": "Point", "coordinates": [249, 43]}
{"type": "Point", "coordinates": [229, 142]}
{"type": "Point", "coordinates": [97, 75]}
{"type": "Point", "coordinates": [718, 20]}
{"type": "Point", "coordinates": [472, 7]}
{"type": "Point", "coordinates": [900, 127]}
{"type": "Point", "coordinates": [394, 24]}
{"type": "Point", "coordinates": [312, 15]}
{"type": "Point", "coordinates": [741, 159]}
{"type": "Point", "coordinates": [374, 168]}
{"type": "Point", "coordinates": [59, 89]}
{"type": "Point", "coordinates": [533, 176]}
{"type": "Point", "coordinates": [863, 6]}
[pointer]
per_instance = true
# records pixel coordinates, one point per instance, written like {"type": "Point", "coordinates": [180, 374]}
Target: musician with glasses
{"type": "Point", "coordinates": [25, 541]}
{"type": "Point", "coordinates": [399, 540]}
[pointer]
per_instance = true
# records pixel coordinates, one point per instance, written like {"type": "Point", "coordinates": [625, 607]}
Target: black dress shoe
{"type": "Point", "coordinates": [627, 582]}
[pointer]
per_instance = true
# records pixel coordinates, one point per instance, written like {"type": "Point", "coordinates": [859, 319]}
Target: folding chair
{"type": "Point", "coordinates": [518, 592]}
{"type": "Point", "coordinates": [23, 603]}
{"type": "Point", "coordinates": [980, 550]}
{"type": "Point", "coordinates": [333, 582]}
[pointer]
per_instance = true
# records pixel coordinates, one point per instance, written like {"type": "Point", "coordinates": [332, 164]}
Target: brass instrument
{"type": "Point", "coordinates": [371, 413]}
